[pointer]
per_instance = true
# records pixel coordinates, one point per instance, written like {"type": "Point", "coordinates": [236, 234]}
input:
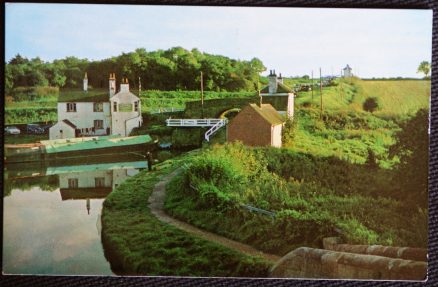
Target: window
{"type": "Point", "coordinates": [136, 106]}
{"type": "Point", "coordinates": [98, 107]}
{"type": "Point", "coordinates": [115, 106]}
{"type": "Point", "coordinates": [98, 124]}
{"type": "Point", "coordinates": [72, 183]}
{"type": "Point", "coordinates": [71, 107]}
{"type": "Point", "coordinates": [99, 181]}
{"type": "Point", "coordinates": [125, 107]}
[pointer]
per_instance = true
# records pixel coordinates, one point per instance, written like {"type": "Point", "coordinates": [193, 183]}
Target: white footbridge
{"type": "Point", "coordinates": [215, 124]}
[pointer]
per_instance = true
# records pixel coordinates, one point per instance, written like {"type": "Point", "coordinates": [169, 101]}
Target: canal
{"type": "Point", "coordinates": [51, 215]}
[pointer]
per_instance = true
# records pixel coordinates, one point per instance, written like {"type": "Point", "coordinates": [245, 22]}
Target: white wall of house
{"type": "Point", "coordinates": [276, 135]}
{"type": "Point", "coordinates": [347, 72]}
{"type": "Point", "coordinates": [124, 115]}
{"type": "Point", "coordinates": [84, 116]}
{"type": "Point", "coordinates": [86, 179]}
{"type": "Point", "coordinates": [290, 105]}
{"type": "Point", "coordinates": [61, 130]}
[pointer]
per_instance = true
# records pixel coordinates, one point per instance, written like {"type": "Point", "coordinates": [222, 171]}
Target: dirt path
{"type": "Point", "coordinates": [156, 204]}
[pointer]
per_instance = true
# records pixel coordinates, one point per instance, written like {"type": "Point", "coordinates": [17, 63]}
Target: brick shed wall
{"type": "Point", "coordinates": [250, 128]}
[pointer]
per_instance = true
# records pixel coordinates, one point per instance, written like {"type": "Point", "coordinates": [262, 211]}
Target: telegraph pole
{"type": "Point", "coordinates": [202, 95]}
{"type": "Point", "coordinates": [320, 89]}
{"type": "Point", "coordinates": [258, 92]}
{"type": "Point", "coordinates": [312, 86]}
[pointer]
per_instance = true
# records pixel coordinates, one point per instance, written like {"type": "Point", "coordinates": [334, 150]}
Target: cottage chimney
{"type": "Point", "coordinates": [124, 86]}
{"type": "Point", "coordinates": [280, 79]}
{"type": "Point", "coordinates": [112, 84]}
{"type": "Point", "coordinates": [273, 84]}
{"type": "Point", "coordinates": [85, 83]}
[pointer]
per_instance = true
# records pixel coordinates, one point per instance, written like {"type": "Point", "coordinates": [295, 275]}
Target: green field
{"type": "Point", "coordinates": [396, 98]}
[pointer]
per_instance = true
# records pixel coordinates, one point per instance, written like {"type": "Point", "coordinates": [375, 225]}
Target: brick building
{"type": "Point", "coordinates": [256, 126]}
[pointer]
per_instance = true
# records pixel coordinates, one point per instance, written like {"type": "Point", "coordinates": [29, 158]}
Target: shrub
{"type": "Point", "coordinates": [371, 104]}
{"type": "Point", "coordinates": [187, 138]}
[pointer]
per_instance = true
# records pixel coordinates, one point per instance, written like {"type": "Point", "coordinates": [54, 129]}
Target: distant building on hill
{"type": "Point", "coordinates": [277, 94]}
{"type": "Point", "coordinates": [256, 125]}
{"type": "Point", "coordinates": [347, 72]}
{"type": "Point", "coordinates": [85, 114]}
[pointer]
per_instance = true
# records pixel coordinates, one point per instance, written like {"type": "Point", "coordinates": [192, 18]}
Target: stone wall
{"type": "Point", "coordinates": [408, 253]}
{"type": "Point", "coordinates": [307, 262]}
{"type": "Point", "coordinates": [345, 261]}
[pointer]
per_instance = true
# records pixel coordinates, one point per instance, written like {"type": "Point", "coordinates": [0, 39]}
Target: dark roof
{"type": "Point", "coordinates": [268, 113]}
{"type": "Point", "coordinates": [81, 96]}
{"type": "Point", "coordinates": [281, 88]}
{"type": "Point", "coordinates": [69, 123]}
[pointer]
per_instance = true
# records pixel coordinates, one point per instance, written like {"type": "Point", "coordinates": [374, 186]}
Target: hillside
{"type": "Point", "coordinates": [348, 132]}
{"type": "Point", "coordinates": [396, 98]}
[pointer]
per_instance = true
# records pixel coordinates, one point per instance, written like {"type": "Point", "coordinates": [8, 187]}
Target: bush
{"type": "Point", "coordinates": [187, 137]}
{"type": "Point", "coordinates": [30, 115]}
{"type": "Point", "coordinates": [371, 104]}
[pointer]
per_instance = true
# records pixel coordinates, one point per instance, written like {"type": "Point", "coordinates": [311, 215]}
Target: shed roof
{"type": "Point", "coordinates": [268, 113]}
{"type": "Point", "coordinates": [281, 88]}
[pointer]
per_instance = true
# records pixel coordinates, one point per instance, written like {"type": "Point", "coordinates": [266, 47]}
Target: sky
{"type": "Point", "coordinates": [293, 41]}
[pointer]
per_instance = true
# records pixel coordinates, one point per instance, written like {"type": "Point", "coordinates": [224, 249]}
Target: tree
{"type": "Point", "coordinates": [424, 68]}
{"type": "Point", "coordinates": [371, 104]}
{"type": "Point", "coordinates": [412, 142]}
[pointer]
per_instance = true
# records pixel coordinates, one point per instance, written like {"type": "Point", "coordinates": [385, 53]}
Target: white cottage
{"type": "Point", "coordinates": [347, 71]}
{"type": "Point", "coordinates": [280, 96]}
{"type": "Point", "coordinates": [125, 111]}
{"type": "Point", "coordinates": [81, 114]}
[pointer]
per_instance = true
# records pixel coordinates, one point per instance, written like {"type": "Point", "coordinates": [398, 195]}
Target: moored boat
{"type": "Point", "coordinates": [76, 147]}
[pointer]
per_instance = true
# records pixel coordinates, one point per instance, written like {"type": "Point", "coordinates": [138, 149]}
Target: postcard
{"type": "Point", "coordinates": [200, 141]}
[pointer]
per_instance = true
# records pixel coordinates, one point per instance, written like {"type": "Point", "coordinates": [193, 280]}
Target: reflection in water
{"type": "Point", "coordinates": [51, 215]}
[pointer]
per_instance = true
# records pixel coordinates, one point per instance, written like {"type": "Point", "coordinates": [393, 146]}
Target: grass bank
{"type": "Point", "coordinates": [139, 244]}
{"type": "Point", "coordinates": [347, 135]}
{"type": "Point", "coordinates": [24, 138]}
{"type": "Point", "coordinates": [398, 98]}
{"type": "Point", "coordinates": [312, 197]}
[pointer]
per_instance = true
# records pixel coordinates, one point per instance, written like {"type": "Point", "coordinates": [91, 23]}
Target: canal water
{"type": "Point", "coordinates": [52, 215]}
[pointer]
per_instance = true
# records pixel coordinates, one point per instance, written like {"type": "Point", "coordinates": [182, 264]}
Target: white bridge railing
{"type": "Point", "coordinates": [193, 122]}
{"type": "Point", "coordinates": [215, 124]}
{"type": "Point", "coordinates": [214, 129]}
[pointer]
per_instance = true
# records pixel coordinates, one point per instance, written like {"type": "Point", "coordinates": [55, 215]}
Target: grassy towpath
{"type": "Point", "coordinates": [136, 242]}
{"type": "Point", "coordinates": [156, 205]}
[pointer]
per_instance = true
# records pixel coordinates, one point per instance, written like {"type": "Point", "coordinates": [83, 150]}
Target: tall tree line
{"type": "Point", "coordinates": [172, 69]}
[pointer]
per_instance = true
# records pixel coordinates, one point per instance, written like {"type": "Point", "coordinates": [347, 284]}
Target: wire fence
{"type": "Point", "coordinates": [247, 206]}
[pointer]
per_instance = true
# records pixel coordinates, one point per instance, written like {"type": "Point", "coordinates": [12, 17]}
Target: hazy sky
{"type": "Point", "coordinates": [293, 41]}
